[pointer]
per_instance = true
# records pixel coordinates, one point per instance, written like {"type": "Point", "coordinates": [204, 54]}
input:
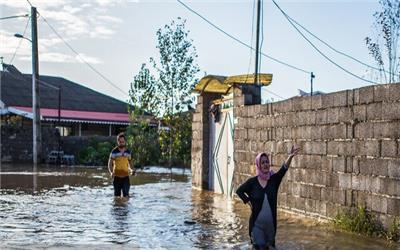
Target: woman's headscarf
{"type": "Point", "coordinates": [259, 172]}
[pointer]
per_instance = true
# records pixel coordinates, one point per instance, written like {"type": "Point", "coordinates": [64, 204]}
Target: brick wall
{"type": "Point", "coordinates": [17, 146]}
{"type": "Point", "coordinates": [350, 149]}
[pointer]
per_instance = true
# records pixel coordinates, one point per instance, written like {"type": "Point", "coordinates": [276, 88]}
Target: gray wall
{"type": "Point", "coordinates": [350, 149]}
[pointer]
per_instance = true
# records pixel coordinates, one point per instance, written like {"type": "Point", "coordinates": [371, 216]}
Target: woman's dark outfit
{"type": "Point", "coordinates": [252, 191]}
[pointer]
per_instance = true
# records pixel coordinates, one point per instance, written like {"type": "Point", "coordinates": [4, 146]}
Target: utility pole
{"type": "Point", "coordinates": [37, 135]}
{"type": "Point", "coordinates": [312, 77]}
{"type": "Point", "coordinates": [59, 125]}
{"type": "Point", "coordinates": [257, 42]}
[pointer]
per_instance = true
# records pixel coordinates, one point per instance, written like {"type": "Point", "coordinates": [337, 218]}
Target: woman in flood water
{"type": "Point", "coordinates": [261, 193]}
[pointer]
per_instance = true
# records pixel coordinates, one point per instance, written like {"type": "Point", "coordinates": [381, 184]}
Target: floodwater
{"type": "Point", "coordinates": [74, 208]}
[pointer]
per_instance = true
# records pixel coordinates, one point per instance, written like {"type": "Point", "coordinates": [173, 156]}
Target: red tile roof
{"type": "Point", "coordinates": [79, 115]}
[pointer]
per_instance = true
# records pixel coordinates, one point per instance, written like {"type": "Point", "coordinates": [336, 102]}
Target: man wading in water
{"type": "Point", "coordinates": [119, 166]}
{"type": "Point", "coordinates": [262, 193]}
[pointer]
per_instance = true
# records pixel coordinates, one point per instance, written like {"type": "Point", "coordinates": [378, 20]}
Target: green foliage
{"type": "Point", "coordinates": [358, 221]}
{"type": "Point", "coordinates": [180, 137]}
{"type": "Point", "coordinates": [393, 232]}
{"type": "Point", "coordinates": [143, 140]}
{"type": "Point", "coordinates": [176, 69]}
{"type": "Point", "coordinates": [362, 222]}
{"type": "Point", "coordinates": [143, 93]}
{"type": "Point", "coordinates": [166, 96]}
{"type": "Point", "coordinates": [96, 154]}
{"type": "Point", "coordinates": [384, 47]}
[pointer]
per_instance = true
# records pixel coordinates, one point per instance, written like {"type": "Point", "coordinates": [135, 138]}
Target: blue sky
{"type": "Point", "coordinates": [116, 37]}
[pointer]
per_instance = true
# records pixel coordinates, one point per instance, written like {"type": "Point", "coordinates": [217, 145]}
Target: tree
{"type": "Point", "coordinates": [141, 136]}
{"type": "Point", "coordinates": [169, 93]}
{"type": "Point", "coordinates": [142, 92]}
{"type": "Point", "coordinates": [176, 68]}
{"type": "Point", "coordinates": [384, 48]}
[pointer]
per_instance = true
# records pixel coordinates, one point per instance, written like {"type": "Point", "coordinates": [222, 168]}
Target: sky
{"type": "Point", "coordinates": [116, 36]}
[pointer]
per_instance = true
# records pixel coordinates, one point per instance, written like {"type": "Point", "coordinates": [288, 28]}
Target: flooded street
{"type": "Point", "coordinates": [74, 208]}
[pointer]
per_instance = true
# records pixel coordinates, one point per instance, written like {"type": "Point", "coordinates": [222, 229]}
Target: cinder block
{"type": "Point", "coordinates": [390, 186]}
{"type": "Point", "coordinates": [282, 106]}
{"type": "Point", "coordinates": [394, 168]}
{"type": "Point", "coordinates": [345, 181]}
{"type": "Point", "coordinates": [364, 95]}
{"type": "Point", "coordinates": [394, 93]}
{"type": "Point", "coordinates": [340, 99]}
{"type": "Point", "coordinates": [264, 109]}
{"type": "Point", "coordinates": [356, 182]}
{"type": "Point", "coordinates": [339, 196]}
{"type": "Point", "coordinates": [315, 193]}
{"type": "Point", "coordinates": [326, 165]}
{"type": "Point", "coordinates": [301, 103]}
{"type": "Point", "coordinates": [381, 93]}
{"type": "Point", "coordinates": [310, 206]}
{"type": "Point", "coordinates": [360, 112]}
{"type": "Point", "coordinates": [386, 130]}
{"type": "Point", "coordinates": [349, 198]}
{"type": "Point", "coordinates": [333, 116]}
{"type": "Point", "coordinates": [391, 110]}
{"type": "Point", "coordinates": [321, 117]}
{"type": "Point", "coordinates": [332, 209]}
{"type": "Point", "coordinates": [339, 164]}
{"type": "Point", "coordinates": [345, 114]}
{"type": "Point", "coordinates": [334, 180]}
{"type": "Point", "coordinates": [253, 134]}
{"type": "Point", "coordinates": [316, 102]}
{"type": "Point", "coordinates": [367, 148]}
{"type": "Point", "coordinates": [338, 131]}
{"type": "Point", "coordinates": [393, 206]}
{"type": "Point", "coordinates": [389, 148]}
{"type": "Point", "coordinates": [321, 207]}
{"type": "Point", "coordinates": [326, 194]}
{"type": "Point", "coordinates": [314, 148]}
{"type": "Point", "coordinates": [374, 111]}
{"type": "Point", "coordinates": [380, 167]}
{"type": "Point", "coordinates": [340, 148]}
{"type": "Point", "coordinates": [364, 130]}
{"type": "Point", "coordinates": [304, 191]}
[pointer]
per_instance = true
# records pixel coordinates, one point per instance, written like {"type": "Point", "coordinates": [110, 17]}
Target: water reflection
{"type": "Point", "coordinates": [75, 208]}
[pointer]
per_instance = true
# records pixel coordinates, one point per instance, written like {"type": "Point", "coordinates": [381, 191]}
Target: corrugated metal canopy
{"type": "Point", "coordinates": [223, 85]}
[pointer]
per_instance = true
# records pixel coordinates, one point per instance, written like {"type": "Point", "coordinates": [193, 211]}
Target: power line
{"type": "Point", "coordinates": [239, 41]}
{"type": "Point", "coordinates": [83, 60]}
{"type": "Point", "coordinates": [319, 51]}
{"type": "Point", "coordinates": [19, 42]}
{"type": "Point", "coordinates": [29, 3]}
{"type": "Point", "coordinates": [336, 50]}
{"type": "Point", "coordinates": [269, 91]}
{"type": "Point", "coordinates": [16, 16]}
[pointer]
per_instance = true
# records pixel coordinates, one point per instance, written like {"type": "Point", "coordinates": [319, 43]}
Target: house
{"type": "Point", "coordinates": [74, 109]}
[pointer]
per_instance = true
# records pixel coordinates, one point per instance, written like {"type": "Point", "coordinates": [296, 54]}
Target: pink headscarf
{"type": "Point", "coordinates": [259, 172]}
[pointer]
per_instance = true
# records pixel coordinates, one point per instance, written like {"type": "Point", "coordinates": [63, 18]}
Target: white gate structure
{"type": "Point", "coordinates": [221, 153]}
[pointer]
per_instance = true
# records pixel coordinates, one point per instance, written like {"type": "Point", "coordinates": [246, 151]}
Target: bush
{"type": "Point", "coordinates": [96, 154]}
{"type": "Point", "coordinates": [358, 221]}
{"type": "Point", "coordinates": [362, 222]}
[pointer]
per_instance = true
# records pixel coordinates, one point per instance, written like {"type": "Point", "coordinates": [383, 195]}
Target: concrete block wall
{"type": "Point", "coordinates": [350, 149]}
{"type": "Point", "coordinates": [17, 143]}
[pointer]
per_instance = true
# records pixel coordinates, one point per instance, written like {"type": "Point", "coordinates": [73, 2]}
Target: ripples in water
{"type": "Point", "coordinates": [74, 209]}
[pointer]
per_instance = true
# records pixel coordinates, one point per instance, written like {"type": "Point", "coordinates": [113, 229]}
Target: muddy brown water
{"type": "Point", "coordinates": [74, 208]}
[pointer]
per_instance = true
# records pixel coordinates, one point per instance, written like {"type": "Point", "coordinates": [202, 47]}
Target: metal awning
{"type": "Point", "coordinates": [223, 85]}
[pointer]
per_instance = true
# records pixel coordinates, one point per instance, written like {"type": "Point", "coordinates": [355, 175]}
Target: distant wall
{"type": "Point", "coordinates": [17, 146]}
{"type": "Point", "coordinates": [350, 149]}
